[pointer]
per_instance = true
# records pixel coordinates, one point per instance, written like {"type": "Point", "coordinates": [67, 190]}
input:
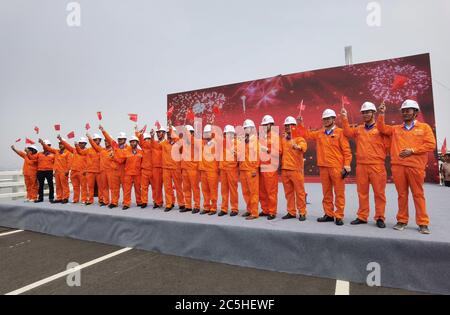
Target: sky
{"type": "Point", "coordinates": [126, 56]}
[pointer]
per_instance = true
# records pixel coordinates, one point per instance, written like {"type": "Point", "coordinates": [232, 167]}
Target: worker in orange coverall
{"type": "Point", "coordinates": [411, 143]}
{"type": "Point", "coordinates": [229, 176]}
{"type": "Point", "coordinates": [371, 148]}
{"type": "Point", "coordinates": [333, 158]}
{"type": "Point", "coordinates": [29, 170]}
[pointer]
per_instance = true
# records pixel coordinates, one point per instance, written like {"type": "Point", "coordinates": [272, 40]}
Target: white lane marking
{"type": "Point", "coordinates": [11, 232]}
{"type": "Point", "coordinates": [342, 288]}
{"type": "Point", "coordinates": [67, 272]}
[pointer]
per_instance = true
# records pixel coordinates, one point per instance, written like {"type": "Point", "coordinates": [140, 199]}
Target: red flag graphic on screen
{"type": "Point", "coordinates": [99, 115]}
{"type": "Point", "coordinates": [88, 126]}
{"type": "Point", "coordinates": [57, 127]}
{"type": "Point", "coordinates": [345, 101]}
{"type": "Point", "coordinates": [157, 125]}
{"type": "Point", "coordinates": [444, 147]}
{"type": "Point", "coordinates": [216, 109]}
{"type": "Point", "coordinates": [36, 129]}
{"type": "Point", "coordinates": [18, 140]}
{"type": "Point", "coordinates": [29, 141]}
{"type": "Point", "coordinates": [133, 117]}
{"type": "Point", "coordinates": [71, 135]}
{"type": "Point", "coordinates": [399, 82]}
{"type": "Point", "coordinates": [190, 114]}
{"type": "Point", "coordinates": [170, 111]}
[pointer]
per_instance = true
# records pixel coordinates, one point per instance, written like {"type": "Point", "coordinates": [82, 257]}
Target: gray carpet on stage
{"type": "Point", "coordinates": [407, 259]}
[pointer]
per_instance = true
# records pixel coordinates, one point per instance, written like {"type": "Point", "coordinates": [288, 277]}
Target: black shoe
{"type": "Point", "coordinates": [212, 212]}
{"type": "Point", "coordinates": [102, 204]}
{"type": "Point", "coordinates": [358, 222]}
{"type": "Point", "coordinates": [234, 213]}
{"type": "Point", "coordinates": [380, 224]}
{"type": "Point", "coordinates": [125, 208]}
{"type": "Point", "coordinates": [57, 201]}
{"type": "Point", "coordinates": [64, 201]}
{"type": "Point", "coordinates": [185, 210]}
{"type": "Point", "coordinates": [168, 209]}
{"type": "Point", "coordinates": [325, 218]}
{"type": "Point", "coordinates": [288, 216]}
{"type": "Point", "coordinates": [423, 229]}
{"type": "Point", "coordinates": [204, 212]}
{"type": "Point", "coordinates": [195, 210]}
{"type": "Point", "coordinates": [339, 222]}
{"type": "Point", "coordinates": [181, 208]}
{"type": "Point", "coordinates": [155, 206]}
{"type": "Point", "coordinates": [262, 214]}
{"type": "Point", "coordinates": [271, 217]}
{"type": "Point", "coordinates": [143, 206]}
{"type": "Point", "coordinates": [222, 213]}
{"type": "Point", "coordinates": [112, 206]}
{"type": "Point", "coordinates": [52, 201]}
{"type": "Point", "coordinates": [247, 214]}
{"type": "Point", "coordinates": [38, 201]}
{"type": "Point", "coordinates": [302, 218]}
{"type": "Point", "coordinates": [88, 203]}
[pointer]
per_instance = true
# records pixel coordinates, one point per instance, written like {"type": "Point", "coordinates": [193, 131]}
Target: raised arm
{"type": "Point", "coordinates": [107, 136]}
{"type": "Point", "coordinates": [69, 148]}
{"type": "Point", "coordinates": [94, 145]}
{"type": "Point", "coordinates": [349, 132]}
{"type": "Point", "coordinates": [47, 148]}
{"type": "Point", "coordinates": [381, 125]}
{"type": "Point", "coordinates": [346, 151]}
{"type": "Point", "coordinates": [19, 153]}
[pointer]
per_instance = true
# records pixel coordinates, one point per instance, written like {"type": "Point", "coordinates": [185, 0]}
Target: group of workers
{"type": "Point", "coordinates": [186, 164]}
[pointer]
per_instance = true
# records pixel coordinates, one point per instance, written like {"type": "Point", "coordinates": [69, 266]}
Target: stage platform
{"type": "Point", "coordinates": [408, 260]}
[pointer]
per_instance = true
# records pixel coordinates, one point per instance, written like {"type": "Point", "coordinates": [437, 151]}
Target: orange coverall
{"type": "Point", "coordinates": [132, 159]}
{"type": "Point", "coordinates": [61, 169]}
{"type": "Point", "coordinates": [370, 170]}
{"type": "Point", "coordinates": [209, 175]}
{"type": "Point", "coordinates": [171, 175]}
{"type": "Point", "coordinates": [107, 169]}
{"type": "Point", "coordinates": [92, 170]}
{"type": "Point", "coordinates": [409, 173]}
{"type": "Point", "coordinates": [249, 173]}
{"type": "Point", "coordinates": [147, 166]}
{"type": "Point", "coordinates": [29, 173]}
{"type": "Point", "coordinates": [292, 174]}
{"type": "Point", "coordinates": [190, 173]}
{"type": "Point", "coordinates": [228, 166]}
{"type": "Point", "coordinates": [157, 173]}
{"type": "Point", "coordinates": [77, 174]}
{"type": "Point", "coordinates": [333, 153]}
{"type": "Point", "coordinates": [268, 177]}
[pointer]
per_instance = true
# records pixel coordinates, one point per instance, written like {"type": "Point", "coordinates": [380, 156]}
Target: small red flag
{"type": "Point", "coordinates": [18, 140]}
{"type": "Point", "coordinates": [71, 135]}
{"type": "Point", "coordinates": [99, 115]}
{"type": "Point", "coordinates": [88, 126]}
{"type": "Point", "coordinates": [301, 108]}
{"type": "Point", "coordinates": [190, 114]}
{"type": "Point", "coordinates": [36, 129]}
{"type": "Point", "coordinates": [143, 129]}
{"type": "Point", "coordinates": [29, 141]}
{"type": "Point", "coordinates": [57, 127]}
{"type": "Point", "coordinates": [399, 82]}
{"type": "Point", "coordinates": [133, 117]}
{"type": "Point", "coordinates": [444, 147]}
{"type": "Point", "coordinates": [157, 125]}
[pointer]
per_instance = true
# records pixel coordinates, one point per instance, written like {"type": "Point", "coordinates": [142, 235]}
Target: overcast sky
{"type": "Point", "coordinates": [128, 55]}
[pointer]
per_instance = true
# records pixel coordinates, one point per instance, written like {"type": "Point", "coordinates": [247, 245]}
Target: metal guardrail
{"type": "Point", "coordinates": [14, 181]}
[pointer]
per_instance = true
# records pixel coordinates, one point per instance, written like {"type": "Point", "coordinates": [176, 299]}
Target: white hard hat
{"type": "Point", "coordinates": [290, 121]}
{"type": "Point", "coordinates": [122, 135]}
{"type": "Point", "coordinates": [249, 123]}
{"type": "Point", "coordinates": [189, 128]}
{"type": "Point", "coordinates": [267, 120]}
{"type": "Point", "coordinates": [146, 136]}
{"type": "Point", "coordinates": [161, 128]}
{"type": "Point", "coordinates": [328, 113]}
{"type": "Point", "coordinates": [410, 104]}
{"type": "Point", "coordinates": [229, 129]}
{"type": "Point", "coordinates": [208, 128]}
{"type": "Point", "coordinates": [173, 129]}
{"type": "Point", "coordinates": [47, 142]}
{"type": "Point", "coordinates": [96, 136]}
{"type": "Point", "coordinates": [368, 106]}
{"type": "Point", "coordinates": [134, 138]}
{"type": "Point", "coordinates": [32, 147]}
{"type": "Point", "coordinates": [82, 140]}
